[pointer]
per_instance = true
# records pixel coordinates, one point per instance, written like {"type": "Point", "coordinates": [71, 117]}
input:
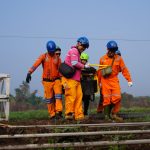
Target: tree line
{"type": "Point", "coordinates": [24, 99]}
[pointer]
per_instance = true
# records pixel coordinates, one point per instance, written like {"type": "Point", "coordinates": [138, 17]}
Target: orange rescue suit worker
{"type": "Point", "coordinates": [50, 80]}
{"type": "Point", "coordinates": [100, 107]}
{"type": "Point", "coordinates": [109, 81]}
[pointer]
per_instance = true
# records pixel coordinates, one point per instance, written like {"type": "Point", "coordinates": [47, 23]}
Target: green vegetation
{"type": "Point", "coordinates": [136, 109]}
{"type": "Point", "coordinates": [27, 115]}
{"type": "Point", "coordinates": [43, 114]}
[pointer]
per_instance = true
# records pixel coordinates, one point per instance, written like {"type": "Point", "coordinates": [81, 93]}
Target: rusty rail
{"type": "Point", "coordinates": [77, 134]}
{"type": "Point", "coordinates": [83, 125]}
{"type": "Point", "coordinates": [74, 144]}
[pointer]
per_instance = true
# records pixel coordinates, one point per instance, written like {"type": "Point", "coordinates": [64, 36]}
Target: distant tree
{"type": "Point", "coordinates": [24, 99]}
{"type": "Point", "coordinates": [11, 97]}
{"type": "Point", "coordinates": [23, 92]}
{"type": "Point", "coordinates": [129, 100]}
{"type": "Point", "coordinates": [33, 99]}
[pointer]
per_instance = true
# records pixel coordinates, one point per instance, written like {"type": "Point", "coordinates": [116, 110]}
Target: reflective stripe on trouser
{"type": "Point", "coordinates": [73, 99]}
{"type": "Point", "coordinates": [53, 104]}
{"type": "Point", "coordinates": [111, 96]}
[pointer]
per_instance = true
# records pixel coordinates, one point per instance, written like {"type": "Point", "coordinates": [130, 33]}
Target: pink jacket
{"type": "Point", "coordinates": [73, 59]}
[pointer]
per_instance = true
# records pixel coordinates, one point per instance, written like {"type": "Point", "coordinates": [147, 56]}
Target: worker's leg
{"type": "Point", "coordinates": [58, 96]}
{"type": "Point", "coordinates": [86, 101]}
{"type": "Point", "coordinates": [116, 107]}
{"type": "Point", "coordinates": [70, 96]}
{"type": "Point", "coordinates": [49, 97]}
{"type": "Point", "coordinates": [116, 100]}
{"type": "Point", "coordinates": [78, 102]}
{"type": "Point", "coordinates": [100, 107]}
{"type": "Point", "coordinates": [106, 102]}
{"type": "Point", "coordinates": [107, 112]}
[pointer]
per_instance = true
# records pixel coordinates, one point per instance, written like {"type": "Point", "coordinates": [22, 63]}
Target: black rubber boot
{"type": "Point", "coordinates": [69, 116]}
{"type": "Point", "coordinates": [107, 111]}
{"type": "Point", "coordinates": [114, 116]}
{"type": "Point", "coordinates": [59, 115]}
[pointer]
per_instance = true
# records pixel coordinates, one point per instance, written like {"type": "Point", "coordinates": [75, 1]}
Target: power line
{"type": "Point", "coordinates": [70, 38]}
{"type": "Point", "coordinates": [33, 37]}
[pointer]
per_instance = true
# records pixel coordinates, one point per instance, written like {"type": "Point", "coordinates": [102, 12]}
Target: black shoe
{"type": "Point", "coordinates": [69, 116]}
{"type": "Point", "coordinates": [52, 118]}
{"type": "Point", "coordinates": [99, 112]}
{"type": "Point", "coordinates": [59, 115]}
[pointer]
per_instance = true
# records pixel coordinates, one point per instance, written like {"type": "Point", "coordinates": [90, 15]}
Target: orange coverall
{"type": "Point", "coordinates": [111, 90]}
{"type": "Point", "coordinates": [51, 81]}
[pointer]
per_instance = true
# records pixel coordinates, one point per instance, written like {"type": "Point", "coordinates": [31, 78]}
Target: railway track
{"type": "Point", "coordinates": [129, 115]}
{"type": "Point", "coordinates": [77, 136]}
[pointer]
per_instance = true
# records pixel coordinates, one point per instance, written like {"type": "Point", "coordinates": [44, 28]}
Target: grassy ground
{"type": "Point", "coordinates": [136, 109]}
{"type": "Point", "coordinates": [43, 114]}
{"type": "Point", "coordinates": [27, 115]}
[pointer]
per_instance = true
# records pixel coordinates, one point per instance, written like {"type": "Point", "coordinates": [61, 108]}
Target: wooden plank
{"type": "Point", "coordinates": [2, 96]}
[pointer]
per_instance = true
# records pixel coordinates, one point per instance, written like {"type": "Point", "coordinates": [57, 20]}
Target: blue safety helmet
{"type": "Point", "coordinates": [51, 46]}
{"type": "Point", "coordinates": [83, 41]}
{"type": "Point", "coordinates": [112, 46]}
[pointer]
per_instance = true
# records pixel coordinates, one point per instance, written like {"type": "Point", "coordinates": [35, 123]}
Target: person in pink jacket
{"type": "Point", "coordinates": [72, 86]}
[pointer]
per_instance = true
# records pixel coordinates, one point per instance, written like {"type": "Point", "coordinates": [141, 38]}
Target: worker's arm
{"type": "Point", "coordinates": [36, 63]}
{"type": "Point", "coordinates": [125, 71]}
{"type": "Point", "coordinates": [33, 68]}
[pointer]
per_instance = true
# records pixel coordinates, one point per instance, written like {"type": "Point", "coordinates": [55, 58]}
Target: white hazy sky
{"type": "Point", "coordinates": [27, 25]}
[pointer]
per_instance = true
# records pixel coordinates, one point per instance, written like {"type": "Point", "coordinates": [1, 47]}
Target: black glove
{"type": "Point", "coordinates": [28, 78]}
{"type": "Point", "coordinates": [89, 70]}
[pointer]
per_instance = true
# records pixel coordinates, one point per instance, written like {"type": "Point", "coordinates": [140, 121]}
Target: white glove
{"type": "Point", "coordinates": [130, 84]}
{"type": "Point", "coordinates": [87, 65]}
